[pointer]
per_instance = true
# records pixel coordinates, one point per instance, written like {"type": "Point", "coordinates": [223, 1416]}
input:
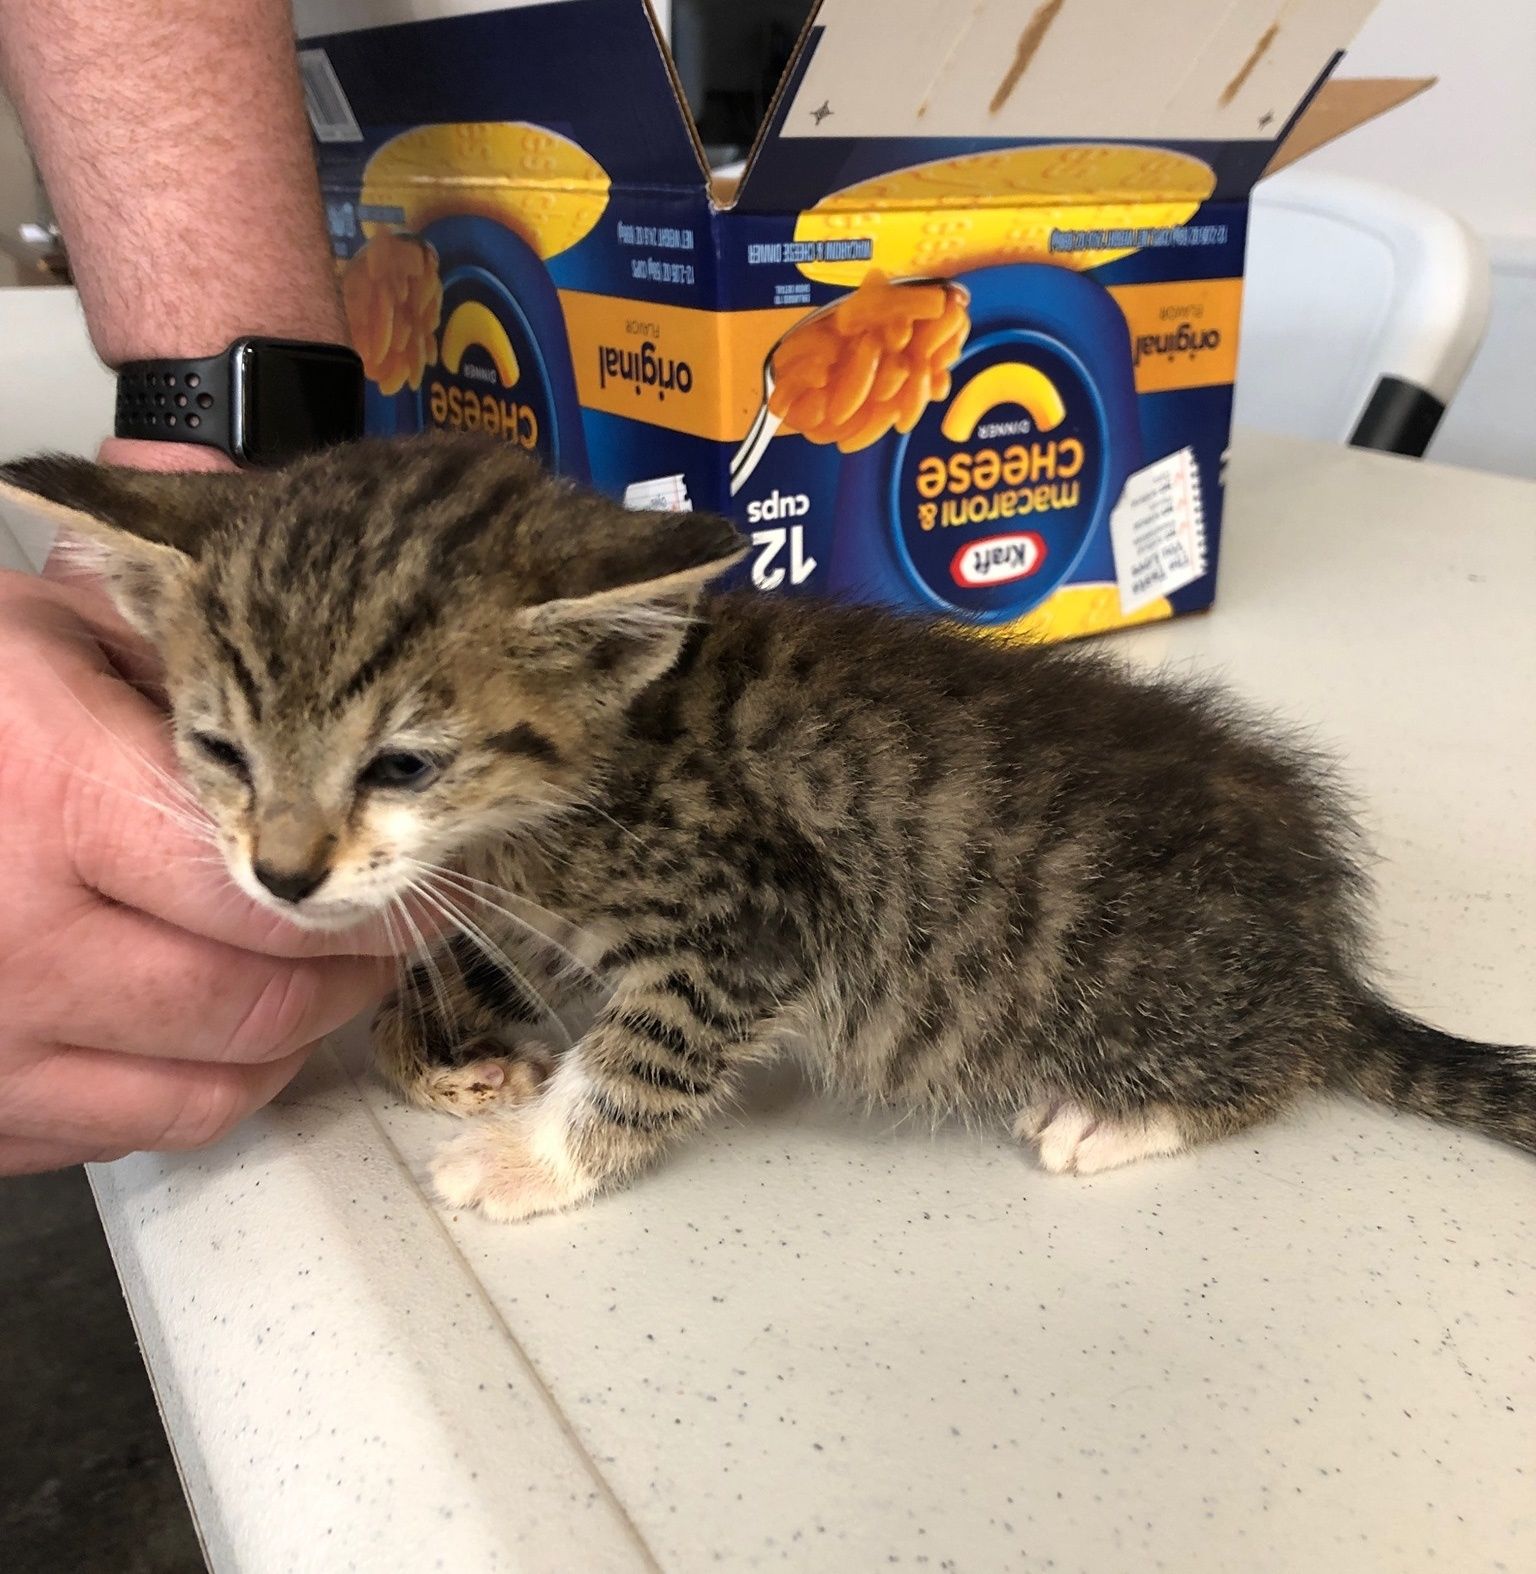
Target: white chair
{"type": "Point", "coordinates": [1362, 309]}
{"type": "Point", "coordinates": [54, 393]}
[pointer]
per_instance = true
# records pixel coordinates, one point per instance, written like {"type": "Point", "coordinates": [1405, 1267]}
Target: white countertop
{"type": "Point", "coordinates": [824, 1342]}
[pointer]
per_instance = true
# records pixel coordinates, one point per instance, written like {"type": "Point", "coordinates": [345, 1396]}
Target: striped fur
{"type": "Point", "coordinates": [1013, 883]}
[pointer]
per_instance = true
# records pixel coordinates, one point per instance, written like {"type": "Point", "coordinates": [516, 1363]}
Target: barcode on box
{"type": "Point", "coordinates": [329, 112]}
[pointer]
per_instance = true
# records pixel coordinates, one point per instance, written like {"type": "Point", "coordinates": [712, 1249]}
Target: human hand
{"type": "Point", "coordinates": [135, 454]}
{"type": "Point", "coordinates": [144, 1001]}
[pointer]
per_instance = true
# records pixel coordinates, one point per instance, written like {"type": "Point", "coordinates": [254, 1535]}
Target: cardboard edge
{"type": "Point", "coordinates": [731, 195]}
{"type": "Point", "coordinates": [1338, 107]}
{"type": "Point", "coordinates": [679, 97]}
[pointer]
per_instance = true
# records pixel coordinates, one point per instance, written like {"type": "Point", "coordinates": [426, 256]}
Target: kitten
{"type": "Point", "coordinates": [1010, 882]}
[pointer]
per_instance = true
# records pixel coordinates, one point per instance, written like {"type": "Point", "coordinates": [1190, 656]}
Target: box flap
{"type": "Point", "coordinates": [926, 78]}
{"type": "Point", "coordinates": [1340, 106]}
{"type": "Point", "coordinates": [1178, 71]}
{"type": "Point", "coordinates": [593, 71]}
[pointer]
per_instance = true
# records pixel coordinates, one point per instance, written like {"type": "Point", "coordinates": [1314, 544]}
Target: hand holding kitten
{"type": "Point", "coordinates": [143, 1002]}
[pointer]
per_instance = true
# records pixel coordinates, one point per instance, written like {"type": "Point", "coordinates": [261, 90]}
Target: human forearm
{"type": "Point", "coordinates": [172, 139]}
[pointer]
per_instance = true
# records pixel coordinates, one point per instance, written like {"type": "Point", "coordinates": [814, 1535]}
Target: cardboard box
{"type": "Point", "coordinates": [961, 340]}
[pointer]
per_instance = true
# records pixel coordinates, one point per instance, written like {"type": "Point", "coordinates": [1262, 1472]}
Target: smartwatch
{"type": "Point", "coordinates": [262, 402]}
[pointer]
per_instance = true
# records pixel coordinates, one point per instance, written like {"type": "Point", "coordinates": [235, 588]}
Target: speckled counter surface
{"type": "Point", "coordinates": [824, 1342]}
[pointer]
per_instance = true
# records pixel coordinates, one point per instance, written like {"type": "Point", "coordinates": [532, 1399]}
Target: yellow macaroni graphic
{"type": "Point", "coordinates": [981, 209]}
{"type": "Point", "coordinates": [873, 362]}
{"type": "Point", "coordinates": [393, 297]}
{"type": "Point", "coordinates": [1009, 382]}
{"type": "Point", "coordinates": [534, 182]}
{"type": "Point", "coordinates": [472, 323]}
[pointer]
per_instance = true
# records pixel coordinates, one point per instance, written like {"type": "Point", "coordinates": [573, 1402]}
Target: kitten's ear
{"type": "Point", "coordinates": [618, 593]}
{"type": "Point", "coordinates": [622, 559]}
{"type": "Point", "coordinates": [138, 529]}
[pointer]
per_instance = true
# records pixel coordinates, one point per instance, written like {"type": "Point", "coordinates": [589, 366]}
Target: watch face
{"type": "Point", "coordinates": [292, 399]}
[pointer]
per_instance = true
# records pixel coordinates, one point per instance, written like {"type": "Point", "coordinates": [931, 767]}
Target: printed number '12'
{"type": "Point", "coordinates": [767, 574]}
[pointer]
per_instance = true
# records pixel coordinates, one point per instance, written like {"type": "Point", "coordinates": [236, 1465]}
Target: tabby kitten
{"type": "Point", "coordinates": [1012, 882]}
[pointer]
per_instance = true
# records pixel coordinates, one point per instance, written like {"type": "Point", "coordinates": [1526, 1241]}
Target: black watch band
{"type": "Point", "coordinates": [176, 401]}
{"type": "Point", "coordinates": [262, 402]}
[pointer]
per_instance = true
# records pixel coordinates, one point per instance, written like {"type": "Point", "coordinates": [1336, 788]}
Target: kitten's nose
{"type": "Point", "coordinates": [290, 885]}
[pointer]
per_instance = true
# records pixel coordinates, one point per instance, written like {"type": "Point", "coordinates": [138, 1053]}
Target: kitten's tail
{"type": "Point", "coordinates": [1396, 1059]}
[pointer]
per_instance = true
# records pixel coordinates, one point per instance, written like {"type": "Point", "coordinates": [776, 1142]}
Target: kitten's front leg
{"type": "Point", "coordinates": [662, 1055]}
{"type": "Point", "coordinates": [453, 1037]}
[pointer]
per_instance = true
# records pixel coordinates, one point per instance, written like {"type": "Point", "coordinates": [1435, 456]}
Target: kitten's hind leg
{"type": "Point", "coordinates": [1071, 1140]}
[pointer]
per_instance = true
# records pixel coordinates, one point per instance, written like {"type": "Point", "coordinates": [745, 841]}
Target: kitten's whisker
{"type": "Point", "coordinates": [191, 816]}
{"type": "Point", "coordinates": [520, 896]}
{"type": "Point", "coordinates": [427, 960]}
{"type": "Point", "coordinates": [592, 808]}
{"type": "Point", "coordinates": [398, 945]}
{"type": "Point", "coordinates": [401, 946]}
{"type": "Point", "coordinates": [426, 957]}
{"type": "Point", "coordinates": [138, 757]}
{"type": "Point", "coordinates": [444, 906]}
{"type": "Point", "coordinates": [407, 964]}
{"type": "Point", "coordinates": [571, 964]}
{"type": "Point", "coordinates": [457, 881]}
{"type": "Point", "coordinates": [469, 879]}
{"type": "Point", "coordinates": [175, 783]}
{"type": "Point", "coordinates": [180, 793]}
{"type": "Point", "coordinates": [199, 830]}
{"type": "Point", "coordinates": [478, 937]}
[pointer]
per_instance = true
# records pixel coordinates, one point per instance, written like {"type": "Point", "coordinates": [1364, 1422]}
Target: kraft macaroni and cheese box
{"type": "Point", "coordinates": [960, 340]}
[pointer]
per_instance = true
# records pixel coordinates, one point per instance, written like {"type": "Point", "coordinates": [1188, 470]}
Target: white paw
{"type": "Point", "coordinates": [510, 1170]}
{"type": "Point", "coordinates": [1071, 1141]}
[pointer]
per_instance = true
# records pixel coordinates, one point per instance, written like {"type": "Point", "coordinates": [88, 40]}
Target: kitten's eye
{"type": "Point", "coordinates": [399, 768]}
{"type": "Point", "coordinates": [222, 752]}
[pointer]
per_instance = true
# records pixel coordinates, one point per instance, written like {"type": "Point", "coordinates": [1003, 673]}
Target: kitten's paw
{"type": "Point", "coordinates": [498, 1079]}
{"type": "Point", "coordinates": [1071, 1141]}
{"type": "Point", "coordinates": [505, 1170]}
